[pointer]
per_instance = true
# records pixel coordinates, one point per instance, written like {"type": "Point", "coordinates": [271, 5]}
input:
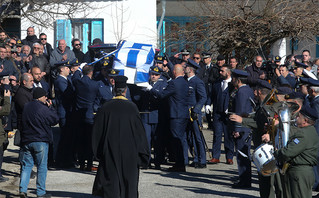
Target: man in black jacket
{"type": "Point", "coordinates": [47, 48]}
{"type": "Point", "coordinates": [37, 119]}
{"type": "Point", "coordinates": [76, 44]}
{"type": "Point", "coordinates": [31, 37]}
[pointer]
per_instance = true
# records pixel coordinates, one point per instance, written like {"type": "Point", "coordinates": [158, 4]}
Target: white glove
{"type": "Point", "coordinates": [208, 109]}
{"type": "Point", "coordinates": [149, 87]}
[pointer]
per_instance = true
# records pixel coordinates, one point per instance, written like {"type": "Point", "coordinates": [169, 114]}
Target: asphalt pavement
{"type": "Point", "coordinates": [213, 181]}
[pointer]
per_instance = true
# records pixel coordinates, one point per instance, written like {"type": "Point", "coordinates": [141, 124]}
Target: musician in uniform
{"type": "Point", "coordinates": [269, 186]}
{"type": "Point", "coordinates": [242, 106]}
{"type": "Point", "coordinates": [196, 100]}
{"type": "Point", "coordinates": [301, 153]}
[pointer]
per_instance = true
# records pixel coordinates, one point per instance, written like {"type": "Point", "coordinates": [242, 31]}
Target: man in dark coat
{"type": "Point", "coordinates": [31, 37]}
{"type": "Point", "coordinates": [120, 143]}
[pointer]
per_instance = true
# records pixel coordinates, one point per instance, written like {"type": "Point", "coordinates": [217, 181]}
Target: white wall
{"type": "Point", "coordinates": [138, 23]}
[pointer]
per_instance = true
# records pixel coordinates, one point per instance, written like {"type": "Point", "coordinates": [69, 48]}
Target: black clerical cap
{"type": "Point", "coordinates": [38, 92]}
{"type": "Point", "coordinates": [120, 81]}
{"type": "Point", "coordinates": [156, 70]}
{"type": "Point", "coordinates": [309, 112]}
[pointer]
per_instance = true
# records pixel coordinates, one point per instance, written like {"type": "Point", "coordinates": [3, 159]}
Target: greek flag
{"type": "Point", "coordinates": [134, 61]}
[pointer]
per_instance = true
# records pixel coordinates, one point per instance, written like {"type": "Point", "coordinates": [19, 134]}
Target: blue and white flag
{"type": "Point", "coordinates": [134, 61]}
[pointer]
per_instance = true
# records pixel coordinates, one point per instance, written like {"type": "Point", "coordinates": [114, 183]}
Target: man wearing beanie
{"type": "Point", "coordinates": [37, 119]}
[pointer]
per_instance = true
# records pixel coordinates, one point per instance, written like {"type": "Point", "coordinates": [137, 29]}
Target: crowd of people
{"type": "Point", "coordinates": [42, 86]}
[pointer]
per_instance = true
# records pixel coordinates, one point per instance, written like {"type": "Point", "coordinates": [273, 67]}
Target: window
{"type": "Point", "coordinates": [84, 29]}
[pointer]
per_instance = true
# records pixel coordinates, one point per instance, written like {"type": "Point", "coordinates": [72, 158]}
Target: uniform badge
{"type": "Point", "coordinates": [156, 69]}
{"type": "Point", "coordinates": [296, 141]}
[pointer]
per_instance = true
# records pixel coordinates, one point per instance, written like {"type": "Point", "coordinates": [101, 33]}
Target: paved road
{"type": "Point", "coordinates": [214, 181]}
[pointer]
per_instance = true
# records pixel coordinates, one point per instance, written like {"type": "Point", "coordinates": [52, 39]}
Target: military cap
{"type": "Point", "coordinates": [240, 73]}
{"type": "Point", "coordinates": [3, 74]}
{"type": "Point", "coordinates": [159, 59]}
{"type": "Point", "coordinates": [113, 72]}
{"type": "Point", "coordinates": [206, 55]}
{"type": "Point", "coordinates": [156, 70]}
{"type": "Point", "coordinates": [277, 58]}
{"type": "Point", "coordinates": [309, 112]}
{"type": "Point", "coordinates": [299, 64]}
{"type": "Point", "coordinates": [294, 95]}
{"type": "Point", "coordinates": [185, 52]}
{"type": "Point", "coordinates": [191, 63]}
{"type": "Point", "coordinates": [62, 63]}
{"type": "Point", "coordinates": [220, 57]}
{"type": "Point", "coordinates": [264, 84]}
{"type": "Point", "coordinates": [283, 90]}
{"type": "Point", "coordinates": [19, 43]}
{"type": "Point", "coordinates": [105, 63]}
{"type": "Point", "coordinates": [74, 62]}
{"type": "Point", "coordinates": [120, 81]}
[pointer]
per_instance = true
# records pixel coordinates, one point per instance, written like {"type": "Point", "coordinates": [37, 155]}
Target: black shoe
{"type": "Point", "coordinates": [241, 185]}
{"type": "Point", "coordinates": [200, 166]}
{"type": "Point", "coordinates": [193, 164]}
{"type": "Point", "coordinates": [176, 169]}
{"type": "Point", "coordinates": [157, 167]}
{"type": "Point", "coordinates": [33, 174]}
{"type": "Point", "coordinates": [23, 195]}
{"type": "Point", "coordinates": [45, 195]}
{"type": "Point", "coordinates": [3, 179]}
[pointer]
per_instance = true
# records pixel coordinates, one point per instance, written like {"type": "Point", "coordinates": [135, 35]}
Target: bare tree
{"type": "Point", "coordinates": [249, 27]}
{"type": "Point", "coordinates": [43, 12]}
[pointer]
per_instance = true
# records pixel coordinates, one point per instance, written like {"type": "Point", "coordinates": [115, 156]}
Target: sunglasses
{"type": "Point", "coordinates": [12, 43]}
{"type": "Point", "coordinates": [77, 44]}
{"type": "Point", "coordinates": [12, 80]}
{"type": "Point", "coordinates": [196, 58]}
{"type": "Point", "coordinates": [43, 38]}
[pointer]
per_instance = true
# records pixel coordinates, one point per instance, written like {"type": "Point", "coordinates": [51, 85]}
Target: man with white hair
{"type": "Point", "coordinates": [40, 60]}
{"type": "Point", "coordinates": [31, 37]}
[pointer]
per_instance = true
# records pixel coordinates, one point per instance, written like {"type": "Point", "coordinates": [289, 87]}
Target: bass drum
{"type": "Point", "coordinates": [264, 160]}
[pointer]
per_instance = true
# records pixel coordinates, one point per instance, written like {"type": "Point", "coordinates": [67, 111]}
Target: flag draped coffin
{"type": "Point", "coordinates": [134, 61]}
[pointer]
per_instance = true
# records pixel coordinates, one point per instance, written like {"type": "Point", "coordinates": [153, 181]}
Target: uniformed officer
{"type": "Point", "coordinates": [268, 186]}
{"type": "Point", "coordinates": [196, 100]}
{"type": "Point", "coordinates": [149, 107]}
{"type": "Point", "coordinates": [177, 93]}
{"type": "Point", "coordinates": [242, 106]}
{"type": "Point", "coordinates": [301, 153]}
{"type": "Point", "coordinates": [220, 100]}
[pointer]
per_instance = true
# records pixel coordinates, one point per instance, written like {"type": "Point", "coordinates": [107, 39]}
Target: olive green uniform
{"type": "Point", "coordinates": [301, 153]}
{"type": "Point", "coordinates": [269, 186]}
{"type": "Point", "coordinates": [4, 110]}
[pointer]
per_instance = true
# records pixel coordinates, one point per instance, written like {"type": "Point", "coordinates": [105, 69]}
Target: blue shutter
{"type": "Point", "coordinates": [85, 37]}
{"type": "Point", "coordinates": [97, 30]}
{"type": "Point", "coordinates": [63, 31]}
{"type": "Point", "coordinates": [68, 33]}
{"type": "Point", "coordinates": [60, 30]}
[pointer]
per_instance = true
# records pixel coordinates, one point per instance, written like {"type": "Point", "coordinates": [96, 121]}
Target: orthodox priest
{"type": "Point", "coordinates": [119, 143]}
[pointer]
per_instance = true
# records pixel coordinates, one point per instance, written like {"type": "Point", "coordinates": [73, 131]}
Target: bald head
{"type": "Point", "coordinates": [178, 70]}
{"type": "Point", "coordinates": [62, 45]}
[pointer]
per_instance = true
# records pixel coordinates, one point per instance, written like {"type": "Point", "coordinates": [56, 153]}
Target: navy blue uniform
{"type": "Point", "coordinates": [89, 97]}
{"type": "Point", "coordinates": [242, 106]}
{"type": "Point", "coordinates": [149, 113]}
{"type": "Point", "coordinates": [220, 100]}
{"type": "Point", "coordinates": [177, 93]}
{"type": "Point", "coordinates": [197, 98]}
{"type": "Point", "coordinates": [314, 104]}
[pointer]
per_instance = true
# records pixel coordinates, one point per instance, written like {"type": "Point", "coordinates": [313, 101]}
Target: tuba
{"type": "Point", "coordinates": [285, 112]}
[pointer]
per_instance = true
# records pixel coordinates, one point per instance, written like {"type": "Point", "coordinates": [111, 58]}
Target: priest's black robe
{"type": "Point", "coordinates": [119, 143]}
